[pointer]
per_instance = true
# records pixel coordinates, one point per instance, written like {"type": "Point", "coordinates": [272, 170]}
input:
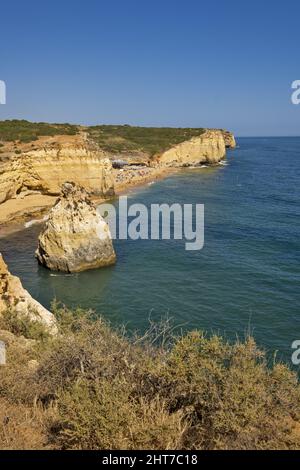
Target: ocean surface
{"type": "Point", "coordinates": [246, 278]}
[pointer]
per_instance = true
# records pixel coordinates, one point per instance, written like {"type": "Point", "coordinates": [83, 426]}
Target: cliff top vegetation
{"type": "Point", "coordinates": [111, 138]}
{"type": "Point", "coordinates": [150, 140]}
{"type": "Point", "coordinates": [25, 131]}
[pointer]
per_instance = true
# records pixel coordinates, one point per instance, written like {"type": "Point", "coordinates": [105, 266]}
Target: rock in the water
{"type": "Point", "coordinates": [76, 237]}
{"type": "Point", "coordinates": [13, 297]}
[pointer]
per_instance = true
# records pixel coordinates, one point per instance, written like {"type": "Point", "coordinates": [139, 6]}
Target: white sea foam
{"type": "Point", "coordinates": [61, 275]}
{"type": "Point", "coordinates": [196, 167]}
{"type": "Point", "coordinates": [35, 221]}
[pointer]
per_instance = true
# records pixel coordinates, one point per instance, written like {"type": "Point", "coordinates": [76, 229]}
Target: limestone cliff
{"type": "Point", "coordinates": [31, 174]}
{"type": "Point", "coordinates": [209, 147]}
{"type": "Point", "coordinates": [45, 169]}
{"type": "Point", "coordinates": [229, 139]}
{"type": "Point", "coordinates": [75, 237]}
{"type": "Point", "coordinates": [15, 298]}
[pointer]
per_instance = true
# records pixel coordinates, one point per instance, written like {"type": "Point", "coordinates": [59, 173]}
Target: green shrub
{"type": "Point", "coordinates": [21, 325]}
{"type": "Point", "coordinates": [151, 140]}
{"type": "Point", "coordinates": [104, 390]}
{"type": "Point", "coordinates": [25, 131]}
{"type": "Point", "coordinates": [114, 139]}
{"type": "Point", "coordinates": [105, 416]}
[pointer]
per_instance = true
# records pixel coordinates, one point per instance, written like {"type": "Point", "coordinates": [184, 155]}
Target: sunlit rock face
{"type": "Point", "coordinates": [76, 237]}
{"type": "Point", "coordinates": [44, 170]}
{"type": "Point", "coordinates": [14, 298]}
{"type": "Point", "coordinates": [209, 147]}
{"type": "Point", "coordinates": [229, 139]}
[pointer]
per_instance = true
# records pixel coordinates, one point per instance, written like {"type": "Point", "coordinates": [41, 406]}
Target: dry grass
{"type": "Point", "coordinates": [93, 388]}
{"type": "Point", "coordinates": [23, 427]}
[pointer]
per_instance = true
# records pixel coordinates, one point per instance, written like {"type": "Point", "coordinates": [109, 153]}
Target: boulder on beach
{"type": "Point", "coordinates": [75, 237]}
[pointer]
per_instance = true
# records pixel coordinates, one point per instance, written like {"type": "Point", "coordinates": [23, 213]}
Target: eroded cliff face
{"type": "Point", "coordinates": [13, 297]}
{"type": "Point", "coordinates": [229, 139]}
{"type": "Point", "coordinates": [45, 170]}
{"type": "Point", "coordinates": [75, 237]}
{"type": "Point", "coordinates": [209, 147]}
{"type": "Point", "coordinates": [31, 174]}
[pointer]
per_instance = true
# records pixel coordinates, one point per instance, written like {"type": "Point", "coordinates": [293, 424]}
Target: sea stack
{"type": "Point", "coordinates": [76, 237]}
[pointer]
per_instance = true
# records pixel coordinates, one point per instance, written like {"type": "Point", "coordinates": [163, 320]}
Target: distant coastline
{"type": "Point", "coordinates": [33, 165]}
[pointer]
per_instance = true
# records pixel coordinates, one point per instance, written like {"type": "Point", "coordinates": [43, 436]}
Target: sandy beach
{"type": "Point", "coordinates": [131, 178]}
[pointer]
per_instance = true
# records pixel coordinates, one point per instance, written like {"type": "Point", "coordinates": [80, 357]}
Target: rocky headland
{"type": "Point", "coordinates": [75, 237]}
{"type": "Point", "coordinates": [31, 173]}
{"type": "Point", "coordinates": [209, 148]}
{"type": "Point", "coordinates": [14, 298]}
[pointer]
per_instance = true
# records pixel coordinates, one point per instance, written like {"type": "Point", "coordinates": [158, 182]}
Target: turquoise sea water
{"type": "Point", "coordinates": [246, 276]}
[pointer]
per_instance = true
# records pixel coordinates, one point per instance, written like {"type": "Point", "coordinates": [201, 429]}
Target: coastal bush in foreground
{"type": "Point", "coordinates": [91, 387]}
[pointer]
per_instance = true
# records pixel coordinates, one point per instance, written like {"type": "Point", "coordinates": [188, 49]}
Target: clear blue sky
{"type": "Point", "coordinates": [166, 63]}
